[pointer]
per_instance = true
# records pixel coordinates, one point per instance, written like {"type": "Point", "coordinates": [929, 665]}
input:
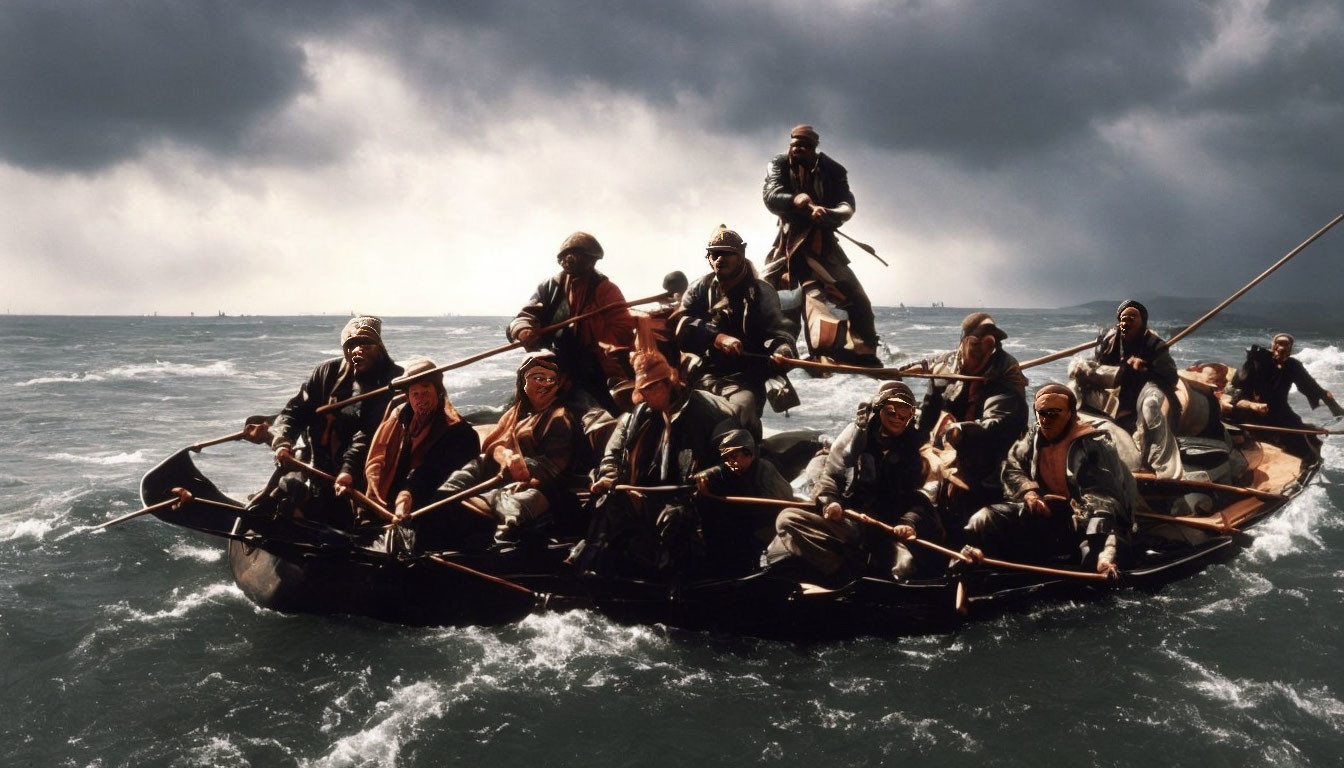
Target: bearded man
{"type": "Point", "coordinates": [418, 444]}
{"type": "Point", "coordinates": [1134, 360]}
{"type": "Point", "coordinates": [1069, 494]}
{"type": "Point", "coordinates": [591, 351]}
{"type": "Point", "coordinates": [726, 315]}
{"type": "Point", "coordinates": [984, 418]}
{"type": "Point", "coordinates": [810, 194]}
{"type": "Point", "coordinates": [336, 442]}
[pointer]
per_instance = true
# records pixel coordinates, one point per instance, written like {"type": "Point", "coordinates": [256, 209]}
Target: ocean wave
{"type": "Point", "coordinates": [41, 518]}
{"type": "Point", "coordinates": [1294, 526]}
{"type": "Point", "coordinates": [184, 604]}
{"type": "Point", "coordinates": [393, 723]}
{"type": "Point", "coordinates": [74, 378]}
{"type": "Point", "coordinates": [161, 368]}
{"type": "Point", "coordinates": [137, 457]}
{"type": "Point", "coordinates": [926, 734]}
{"type": "Point", "coordinates": [1240, 693]}
{"type": "Point", "coordinates": [204, 554]}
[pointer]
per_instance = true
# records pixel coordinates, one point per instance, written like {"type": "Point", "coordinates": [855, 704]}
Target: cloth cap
{"type": "Point", "coordinates": [737, 439]}
{"type": "Point", "coordinates": [894, 391]}
{"type": "Point", "coordinates": [1287, 336]}
{"type": "Point", "coordinates": [725, 239]}
{"type": "Point", "coordinates": [650, 367]}
{"type": "Point", "coordinates": [806, 132]}
{"type": "Point", "coordinates": [980, 323]}
{"type": "Point", "coordinates": [582, 242]}
{"type": "Point", "coordinates": [1054, 388]}
{"type": "Point", "coordinates": [363, 327]}
{"type": "Point", "coordinates": [543, 359]}
{"type": "Point", "coordinates": [1143, 311]}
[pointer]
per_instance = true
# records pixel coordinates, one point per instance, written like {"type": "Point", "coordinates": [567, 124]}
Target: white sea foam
{"type": "Point", "coordinates": [41, 518]}
{"type": "Point", "coordinates": [160, 368]}
{"type": "Point", "coordinates": [204, 554]}
{"type": "Point", "coordinates": [926, 733]}
{"type": "Point", "coordinates": [392, 724]}
{"type": "Point", "coordinates": [73, 378]}
{"type": "Point", "coordinates": [138, 457]}
{"type": "Point", "coordinates": [1292, 529]}
{"type": "Point", "coordinates": [217, 751]}
{"type": "Point", "coordinates": [183, 604]}
{"type": "Point", "coordinates": [1248, 587]}
{"type": "Point", "coordinates": [1245, 694]}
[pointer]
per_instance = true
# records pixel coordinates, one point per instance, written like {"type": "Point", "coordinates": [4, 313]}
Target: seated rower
{"type": "Point", "coordinates": [418, 444]}
{"type": "Point", "coordinates": [736, 533]}
{"type": "Point", "coordinates": [1133, 361]}
{"type": "Point", "coordinates": [1261, 387]}
{"type": "Point", "coordinates": [1069, 494]}
{"type": "Point", "coordinates": [726, 315]}
{"type": "Point", "coordinates": [335, 442]}
{"type": "Point", "coordinates": [530, 448]}
{"type": "Point", "coordinates": [669, 437]}
{"type": "Point", "coordinates": [874, 466]}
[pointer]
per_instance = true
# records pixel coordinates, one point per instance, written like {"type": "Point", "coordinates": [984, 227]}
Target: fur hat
{"type": "Point", "coordinates": [1143, 311]}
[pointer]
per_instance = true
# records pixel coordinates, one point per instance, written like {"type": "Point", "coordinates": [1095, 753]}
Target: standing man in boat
{"type": "Point", "coordinates": [810, 194]}
{"type": "Point", "coordinates": [1134, 360]}
{"type": "Point", "coordinates": [418, 444]}
{"type": "Point", "coordinates": [983, 418]}
{"type": "Point", "coordinates": [336, 442]}
{"type": "Point", "coordinates": [592, 351]}
{"type": "Point", "coordinates": [727, 314]}
{"type": "Point", "coordinates": [874, 466]}
{"type": "Point", "coordinates": [530, 449]}
{"type": "Point", "coordinates": [1262, 383]}
{"type": "Point", "coordinates": [670, 436]}
{"type": "Point", "coordinates": [1068, 492]}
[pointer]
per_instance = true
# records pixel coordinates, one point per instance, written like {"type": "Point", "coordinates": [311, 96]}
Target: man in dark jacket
{"type": "Point", "coordinates": [592, 351]}
{"type": "Point", "coordinates": [336, 441]}
{"type": "Point", "coordinates": [810, 194]}
{"type": "Point", "coordinates": [1262, 383]}
{"type": "Point", "coordinates": [727, 313]}
{"type": "Point", "coordinates": [670, 436]}
{"type": "Point", "coordinates": [1133, 360]}
{"type": "Point", "coordinates": [984, 418]}
{"type": "Point", "coordinates": [874, 466]}
{"type": "Point", "coordinates": [1069, 494]}
{"type": "Point", "coordinates": [735, 533]}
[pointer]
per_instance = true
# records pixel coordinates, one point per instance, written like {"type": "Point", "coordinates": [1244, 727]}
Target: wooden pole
{"type": "Point", "coordinates": [359, 496]}
{"type": "Point", "coordinates": [1266, 495]}
{"type": "Point", "coordinates": [515, 586]}
{"type": "Point", "coordinates": [196, 448]}
{"type": "Point", "coordinates": [459, 496]}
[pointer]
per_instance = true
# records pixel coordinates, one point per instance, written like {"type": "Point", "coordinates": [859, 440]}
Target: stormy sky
{"type": "Point", "coordinates": [427, 158]}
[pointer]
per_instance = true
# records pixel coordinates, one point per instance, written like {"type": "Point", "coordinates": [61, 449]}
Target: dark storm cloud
{"type": "Point", "coordinates": [85, 85]}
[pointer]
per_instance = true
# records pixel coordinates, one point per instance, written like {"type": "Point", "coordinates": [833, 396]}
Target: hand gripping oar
{"type": "Point", "coordinates": [1208, 315]}
{"type": "Point", "coordinates": [407, 380]}
{"type": "Point", "coordinates": [459, 496]}
{"type": "Point", "coordinates": [866, 247]}
{"type": "Point", "coordinates": [183, 496]}
{"type": "Point", "coordinates": [359, 497]}
{"type": "Point", "coordinates": [990, 561]}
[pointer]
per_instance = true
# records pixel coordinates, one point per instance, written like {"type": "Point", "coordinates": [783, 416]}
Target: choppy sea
{"type": "Point", "coordinates": [132, 647]}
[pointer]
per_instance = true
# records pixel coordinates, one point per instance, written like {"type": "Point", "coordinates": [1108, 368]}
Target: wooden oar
{"type": "Point", "coordinates": [1190, 522]}
{"type": "Point", "coordinates": [866, 247]}
{"type": "Point", "coordinates": [1148, 478]}
{"type": "Point", "coordinates": [466, 493]}
{"type": "Point", "coordinates": [196, 447]}
{"type": "Point", "coordinates": [1288, 430]}
{"type": "Point", "coordinates": [183, 495]}
{"type": "Point", "coordinates": [515, 586]}
{"type": "Point", "coordinates": [653, 488]}
{"type": "Point", "coordinates": [990, 561]}
{"type": "Point", "coordinates": [359, 496]}
{"type": "Point", "coordinates": [406, 380]}
{"type": "Point", "coordinates": [1208, 315]}
{"type": "Point", "coordinates": [818, 365]}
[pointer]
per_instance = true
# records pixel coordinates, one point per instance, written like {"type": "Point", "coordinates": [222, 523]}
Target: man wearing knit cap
{"type": "Point", "coordinates": [727, 313]}
{"type": "Point", "coordinates": [336, 442]}
{"type": "Point", "coordinates": [735, 534]}
{"type": "Point", "coordinates": [669, 436]}
{"type": "Point", "coordinates": [591, 351]}
{"type": "Point", "coordinates": [1133, 360]}
{"type": "Point", "coordinates": [1069, 494]}
{"type": "Point", "coordinates": [1262, 384]}
{"type": "Point", "coordinates": [983, 418]}
{"type": "Point", "coordinates": [874, 466]}
{"type": "Point", "coordinates": [810, 194]}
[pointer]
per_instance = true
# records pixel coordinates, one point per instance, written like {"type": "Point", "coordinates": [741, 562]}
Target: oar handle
{"type": "Point", "coordinates": [459, 496]}
{"type": "Point", "coordinates": [196, 448]}
{"type": "Point", "coordinates": [653, 488]}
{"type": "Point", "coordinates": [862, 370]}
{"type": "Point", "coordinates": [131, 516]}
{"type": "Point", "coordinates": [515, 586]}
{"type": "Point", "coordinates": [1286, 430]}
{"type": "Point", "coordinates": [1190, 522]}
{"type": "Point", "coordinates": [359, 496]}
{"type": "Point", "coordinates": [866, 247]}
{"type": "Point", "coordinates": [1182, 482]}
{"type": "Point", "coordinates": [1053, 356]}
